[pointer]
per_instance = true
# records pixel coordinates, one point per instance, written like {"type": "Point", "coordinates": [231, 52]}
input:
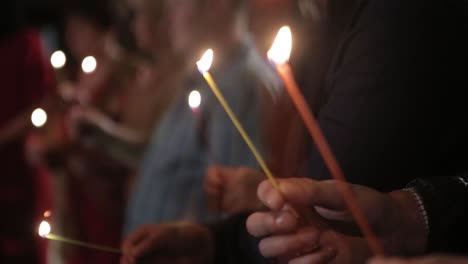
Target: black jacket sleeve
{"type": "Point", "coordinates": [446, 202]}
{"type": "Point", "coordinates": [392, 97]}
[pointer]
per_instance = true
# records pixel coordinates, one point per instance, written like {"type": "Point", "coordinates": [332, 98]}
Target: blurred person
{"type": "Point", "coordinates": [91, 171]}
{"type": "Point", "coordinates": [233, 189]}
{"type": "Point", "coordinates": [426, 217]}
{"type": "Point", "coordinates": [26, 77]}
{"type": "Point", "coordinates": [170, 184]}
{"type": "Point", "coordinates": [156, 79]}
{"type": "Point", "coordinates": [155, 69]}
{"type": "Point", "coordinates": [379, 136]}
{"type": "Point", "coordinates": [357, 111]}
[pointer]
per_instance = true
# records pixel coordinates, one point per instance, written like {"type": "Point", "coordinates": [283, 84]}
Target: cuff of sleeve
{"type": "Point", "coordinates": [443, 200]}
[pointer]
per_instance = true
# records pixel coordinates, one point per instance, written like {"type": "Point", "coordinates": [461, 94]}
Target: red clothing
{"type": "Point", "coordinates": [24, 77]}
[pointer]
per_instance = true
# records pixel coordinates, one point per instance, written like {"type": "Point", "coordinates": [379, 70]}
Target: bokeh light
{"type": "Point", "coordinates": [194, 99]}
{"type": "Point", "coordinates": [89, 64]}
{"type": "Point", "coordinates": [44, 229]}
{"type": "Point", "coordinates": [58, 59]}
{"type": "Point", "coordinates": [39, 117]}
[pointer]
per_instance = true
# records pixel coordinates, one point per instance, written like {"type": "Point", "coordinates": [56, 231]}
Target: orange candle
{"type": "Point", "coordinates": [279, 54]}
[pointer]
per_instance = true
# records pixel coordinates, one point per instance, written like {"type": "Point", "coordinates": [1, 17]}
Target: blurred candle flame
{"type": "Point", "coordinates": [58, 59]}
{"type": "Point", "coordinates": [39, 117]}
{"type": "Point", "coordinates": [89, 64]}
{"type": "Point", "coordinates": [280, 51]}
{"type": "Point", "coordinates": [204, 64]}
{"type": "Point", "coordinates": [44, 229]}
{"type": "Point", "coordinates": [47, 213]}
{"type": "Point", "coordinates": [194, 99]}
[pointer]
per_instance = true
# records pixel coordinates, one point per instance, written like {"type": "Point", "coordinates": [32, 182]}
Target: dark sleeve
{"type": "Point", "coordinates": [384, 111]}
{"type": "Point", "coordinates": [446, 202]}
{"type": "Point", "coordinates": [234, 244]}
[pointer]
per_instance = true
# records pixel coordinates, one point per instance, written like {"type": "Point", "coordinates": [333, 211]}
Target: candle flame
{"type": "Point", "coordinates": [58, 59]}
{"type": "Point", "coordinates": [47, 213]}
{"type": "Point", "coordinates": [280, 51]}
{"type": "Point", "coordinates": [44, 229]}
{"type": "Point", "coordinates": [39, 117]}
{"type": "Point", "coordinates": [194, 99]}
{"type": "Point", "coordinates": [204, 64]}
{"type": "Point", "coordinates": [89, 64]}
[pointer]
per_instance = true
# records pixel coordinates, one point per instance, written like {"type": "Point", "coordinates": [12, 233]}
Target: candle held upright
{"type": "Point", "coordinates": [204, 65]}
{"type": "Point", "coordinates": [279, 54]}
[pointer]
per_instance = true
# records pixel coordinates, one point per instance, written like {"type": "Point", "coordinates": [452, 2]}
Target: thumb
{"type": "Point", "coordinates": [301, 192]}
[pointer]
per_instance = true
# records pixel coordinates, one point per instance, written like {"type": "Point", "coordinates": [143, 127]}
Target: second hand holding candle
{"type": "Point", "coordinates": [279, 54]}
{"type": "Point", "coordinates": [204, 65]}
{"type": "Point", "coordinates": [44, 231]}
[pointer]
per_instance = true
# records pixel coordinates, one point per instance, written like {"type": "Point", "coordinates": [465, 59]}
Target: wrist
{"type": "Point", "coordinates": [410, 230]}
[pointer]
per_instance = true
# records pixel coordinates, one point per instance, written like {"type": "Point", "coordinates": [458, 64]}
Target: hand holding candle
{"type": "Point", "coordinates": [279, 54]}
{"type": "Point", "coordinates": [45, 232]}
{"type": "Point", "coordinates": [204, 65]}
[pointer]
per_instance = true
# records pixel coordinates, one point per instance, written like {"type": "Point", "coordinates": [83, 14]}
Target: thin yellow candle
{"type": "Point", "coordinates": [204, 65]}
{"type": "Point", "coordinates": [45, 229]}
{"type": "Point", "coordinates": [279, 54]}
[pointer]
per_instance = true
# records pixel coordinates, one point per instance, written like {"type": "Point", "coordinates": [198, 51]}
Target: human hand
{"type": "Point", "coordinates": [392, 216]}
{"type": "Point", "coordinates": [175, 243]}
{"type": "Point", "coordinates": [232, 190]}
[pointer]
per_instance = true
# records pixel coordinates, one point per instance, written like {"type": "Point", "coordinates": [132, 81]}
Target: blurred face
{"type": "Point", "coordinates": [184, 25]}
{"type": "Point", "coordinates": [150, 25]}
{"type": "Point", "coordinates": [83, 38]}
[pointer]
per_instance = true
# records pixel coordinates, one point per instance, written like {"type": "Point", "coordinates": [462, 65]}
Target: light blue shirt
{"type": "Point", "coordinates": [170, 184]}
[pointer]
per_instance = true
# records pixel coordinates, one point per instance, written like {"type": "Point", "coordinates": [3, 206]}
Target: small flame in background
{"type": "Point", "coordinates": [280, 51]}
{"type": "Point", "coordinates": [89, 64]}
{"type": "Point", "coordinates": [39, 117]}
{"type": "Point", "coordinates": [47, 214]}
{"type": "Point", "coordinates": [44, 229]}
{"type": "Point", "coordinates": [58, 59]}
{"type": "Point", "coordinates": [194, 99]}
{"type": "Point", "coordinates": [204, 64]}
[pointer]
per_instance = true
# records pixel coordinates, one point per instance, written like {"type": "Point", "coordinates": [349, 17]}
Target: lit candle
{"type": "Point", "coordinates": [194, 102]}
{"type": "Point", "coordinates": [47, 214]}
{"type": "Point", "coordinates": [39, 117]}
{"type": "Point", "coordinates": [204, 65]}
{"type": "Point", "coordinates": [58, 59]}
{"type": "Point", "coordinates": [279, 54]}
{"type": "Point", "coordinates": [89, 64]}
{"type": "Point", "coordinates": [45, 232]}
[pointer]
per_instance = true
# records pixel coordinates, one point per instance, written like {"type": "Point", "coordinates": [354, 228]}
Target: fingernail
{"type": "Point", "coordinates": [280, 220]}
